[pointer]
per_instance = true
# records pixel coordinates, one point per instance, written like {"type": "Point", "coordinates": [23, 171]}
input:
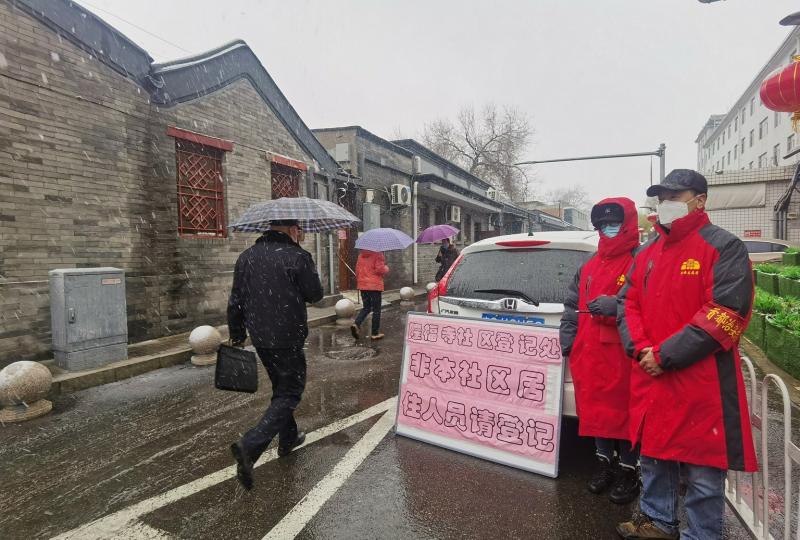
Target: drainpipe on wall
{"type": "Point", "coordinates": [415, 222]}
{"type": "Point", "coordinates": [331, 273]}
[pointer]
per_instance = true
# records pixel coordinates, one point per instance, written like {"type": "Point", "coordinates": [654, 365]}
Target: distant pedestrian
{"type": "Point", "coordinates": [370, 270]}
{"type": "Point", "coordinates": [600, 368]}
{"type": "Point", "coordinates": [272, 282]}
{"type": "Point", "coordinates": [684, 306]}
{"type": "Point", "coordinates": [448, 253]}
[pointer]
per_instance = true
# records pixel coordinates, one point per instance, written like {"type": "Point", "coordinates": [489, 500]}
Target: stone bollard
{"type": "Point", "coordinates": [406, 296]}
{"type": "Point", "coordinates": [23, 387]}
{"type": "Point", "coordinates": [345, 309]}
{"type": "Point", "coordinates": [430, 286]}
{"type": "Point", "coordinates": [205, 341]}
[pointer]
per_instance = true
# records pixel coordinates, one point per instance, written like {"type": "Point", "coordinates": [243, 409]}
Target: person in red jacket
{"type": "Point", "coordinates": [600, 368]}
{"type": "Point", "coordinates": [684, 306]}
{"type": "Point", "coordinates": [370, 269]}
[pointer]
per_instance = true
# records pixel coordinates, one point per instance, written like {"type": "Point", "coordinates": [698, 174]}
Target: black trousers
{"type": "Point", "coordinates": [372, 303]}
{"type": "Point", "coordinates": [287, 371]}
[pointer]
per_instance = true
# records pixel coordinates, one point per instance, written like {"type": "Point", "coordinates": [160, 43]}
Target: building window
{"type": "Point", "coordinates": [735, 151]}
{"type": "Point", "coordinates": [742, 150]}
{"type": "Point", "coordinates": [729, 131]}
{"type": "Point", "coordinates": [424, 218]}
{"type": "Point", "coordinates": [716, 166]}
{"type": "Point", "coordinates": [285, 181]}
{"type": "Point", "coordinates": [789, 143]}
{"type": "Point", "coordinates": [752, 106]}
{"type": "Point", "coordinates": [776, 150]}
{"type": "Point", "coordinates": [763, 126]}
{"type": "Point", "coordinates": [729, 158]}
{"type": "Point", "coordinates": [752, 137]}
{"type": "Point", "coordinates": [777, 118]}
{"type": "Point", "coordinates": [750, 166]}
{"type": "Point", "coordinates": [762, 160]}
{"type": "Point", "coordinates": [201, 188]}
{"type": "Point", "coordinates": [736, 124]}
{"type": "Point", "coordinates": [743, 115]}
{"type": "Point", "coordinates": [723, 136]}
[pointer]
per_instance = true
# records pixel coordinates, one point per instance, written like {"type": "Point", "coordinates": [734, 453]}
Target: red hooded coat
{"type": "Point", "coordinates": [688, 296]}
{"type": "Point", "coordinates": [600, 368]}
{"type": "Point", "coordinates": [370, 269]}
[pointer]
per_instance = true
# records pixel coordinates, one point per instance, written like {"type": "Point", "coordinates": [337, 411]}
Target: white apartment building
{"type": "Point", "coordinates": [748, 156]}
{"type": "Point", "coordinates": [750, 136]}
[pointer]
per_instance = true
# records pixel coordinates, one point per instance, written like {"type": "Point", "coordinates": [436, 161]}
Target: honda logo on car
{"type": "Point", "coordinates": [512, 318]}
{"type": "Point", "coordinates": [510, 304]}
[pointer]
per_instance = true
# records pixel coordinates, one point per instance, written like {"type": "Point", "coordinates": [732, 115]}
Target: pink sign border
{"type": "Point", "coordinates": [471, 448]}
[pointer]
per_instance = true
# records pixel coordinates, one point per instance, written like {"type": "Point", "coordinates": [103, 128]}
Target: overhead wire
{"type": "Point", "coordinates": [146, 31]}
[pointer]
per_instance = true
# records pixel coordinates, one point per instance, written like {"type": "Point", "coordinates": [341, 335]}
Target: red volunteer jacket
{"type": "Point", "coordinates": [600, 368]}
{"type": "Point", "coordinates": [370, 269]}
{"type": "Point", "coordinates": [689, 296]}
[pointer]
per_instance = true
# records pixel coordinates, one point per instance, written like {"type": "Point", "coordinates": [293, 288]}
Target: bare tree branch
{"type": "Point", "coordinates": [487, 144]}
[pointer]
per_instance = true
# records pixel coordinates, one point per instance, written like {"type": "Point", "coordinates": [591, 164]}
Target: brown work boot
{"type": "Point", "coordinates": [641, 527]}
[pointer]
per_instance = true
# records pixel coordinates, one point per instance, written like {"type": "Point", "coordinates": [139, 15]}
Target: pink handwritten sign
{"type": "Point", "coordinates": [488, 389]}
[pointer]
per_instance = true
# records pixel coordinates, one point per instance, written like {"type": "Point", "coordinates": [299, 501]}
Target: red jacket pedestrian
{"type": "Point", "coordinates": [370, 269]}
{"type": "Point", "coordinates": [600, 368]}
{"type": "Point", "coordinates": [689, 297]}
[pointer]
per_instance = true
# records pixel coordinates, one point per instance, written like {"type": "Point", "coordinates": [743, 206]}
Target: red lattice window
{"type": "Point", "coordinates": [285, 181]}
{"type": "Point", "coordinates": [201, 194]}
{"type": "Point", "coordinates": [201, 189]}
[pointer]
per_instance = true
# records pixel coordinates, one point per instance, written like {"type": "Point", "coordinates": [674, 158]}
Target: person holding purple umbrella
{"type": "Point", "coordinates": [370, 269]}
{"type": "Point", "coordinates": [448, 254]}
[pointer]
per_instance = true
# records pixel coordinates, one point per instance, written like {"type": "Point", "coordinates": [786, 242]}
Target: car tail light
{"type": "Point", "coordinates": [523, 243]}
{"type": "Point", "coordinates": [441, 287]}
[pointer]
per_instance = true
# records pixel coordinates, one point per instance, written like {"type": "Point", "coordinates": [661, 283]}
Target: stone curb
{"type": "Point", "coordinates": [68, 382]}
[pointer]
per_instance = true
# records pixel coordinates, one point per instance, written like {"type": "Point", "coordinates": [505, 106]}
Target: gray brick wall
{"type": "Point", "coordinates": [87, 178]}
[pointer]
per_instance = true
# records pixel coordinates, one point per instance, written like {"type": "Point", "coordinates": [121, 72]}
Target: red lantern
{"type": "Point", "coordinates": [781, 91]}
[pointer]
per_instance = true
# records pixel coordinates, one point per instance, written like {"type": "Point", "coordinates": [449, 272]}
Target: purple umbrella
{"type": "Point", "coordinates": [384, 240]}
{"type": "Point", "coordinates": [436, 233]}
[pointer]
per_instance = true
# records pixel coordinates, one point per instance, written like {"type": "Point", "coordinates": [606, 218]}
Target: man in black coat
{"type": "Point", "coordinates": [272, 282]}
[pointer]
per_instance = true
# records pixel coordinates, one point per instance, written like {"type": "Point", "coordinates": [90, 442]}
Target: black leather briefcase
{"type": "Point", "coordinates": [237, 370]}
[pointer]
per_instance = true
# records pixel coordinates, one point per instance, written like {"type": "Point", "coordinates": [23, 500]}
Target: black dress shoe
{"type": "Point", "coordinates": [244, 466]}
{"type": "Point", "coordinates": [602, 478]}
{"type": "Point", "coordinates": [626, 486]}
{"type": "Point", "coordinates": [286, 449]}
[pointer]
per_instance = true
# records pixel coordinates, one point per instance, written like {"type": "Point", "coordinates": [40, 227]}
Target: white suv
{"type": "Point", "coordinates": [519, 278]}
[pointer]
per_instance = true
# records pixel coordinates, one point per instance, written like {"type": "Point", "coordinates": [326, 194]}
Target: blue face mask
{"type": "Point", "coordinates": [610, 230]}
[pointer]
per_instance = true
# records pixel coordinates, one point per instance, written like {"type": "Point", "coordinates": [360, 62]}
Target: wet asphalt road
{"type": "Point", "coordinates": [111, 449]}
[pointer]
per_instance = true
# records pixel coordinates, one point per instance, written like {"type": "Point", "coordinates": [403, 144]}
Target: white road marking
{"type": "Point", "coordinates": [114, 525]}
{"type": "Point", "coordinates": [294, 522]}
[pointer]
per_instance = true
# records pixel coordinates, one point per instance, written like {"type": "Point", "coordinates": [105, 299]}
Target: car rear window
{"type": "Point", "coordinates": [542, 274]}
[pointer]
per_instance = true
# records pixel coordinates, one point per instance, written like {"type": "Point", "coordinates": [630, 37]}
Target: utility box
{"type": "Point", "coordinates": [89, 317]}
{"type": "Point", "coordinates": [372, 216]}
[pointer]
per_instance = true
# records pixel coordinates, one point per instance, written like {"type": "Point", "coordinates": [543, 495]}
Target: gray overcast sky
{"type": "Point", "coordinates": [595, 76]}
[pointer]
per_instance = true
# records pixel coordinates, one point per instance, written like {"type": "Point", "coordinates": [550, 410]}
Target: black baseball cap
{"type": "Point", "coordinates": [607, 213]}
{"type": "Point", "coordinates": [680, 180]}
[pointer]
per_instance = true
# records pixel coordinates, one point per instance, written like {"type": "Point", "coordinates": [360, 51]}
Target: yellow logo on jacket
{"type": "Point", "coordinates": [621, 280]}
{"type": "Point", "coordinates": [690, 267]}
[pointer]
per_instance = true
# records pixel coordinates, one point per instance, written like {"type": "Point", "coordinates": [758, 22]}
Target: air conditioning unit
{"type": "Point", "coordinates": [491, 193]}
{"type": "Point", "coordinates": [416, 165]}
{"type": "Point", "coordinates": [401, 195]}
{"type": "Point", "coordinates": [454, 214]}
{"type": "Point", "coordinates": [791, 215]}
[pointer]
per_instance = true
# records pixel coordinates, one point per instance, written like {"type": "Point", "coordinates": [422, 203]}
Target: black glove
{"type": "Point", "coordinates": [603, 305]}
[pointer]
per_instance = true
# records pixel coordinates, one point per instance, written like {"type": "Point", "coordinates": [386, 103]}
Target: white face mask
{"type": "Point", "coordinates": [669, 211]}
